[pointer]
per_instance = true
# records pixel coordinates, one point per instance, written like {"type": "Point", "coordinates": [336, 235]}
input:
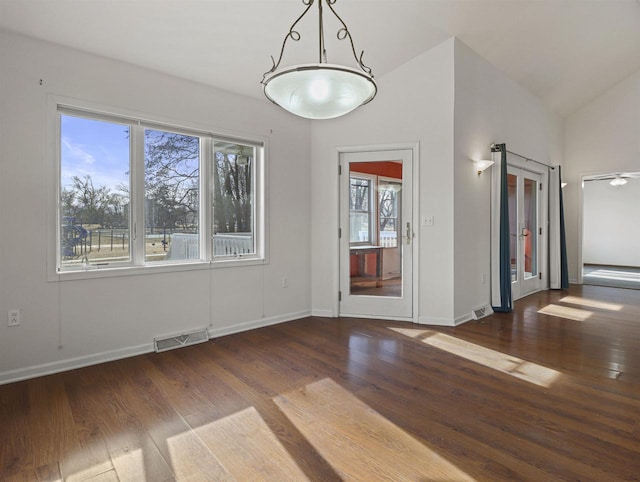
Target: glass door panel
{"type": "Point", "coordinates": [530, 229]}
{"type": "Point", "coordinates": [376, 245]}
{"type": "Point", "coordinates": [512, 183]}
{"type": "Point", "coordinates": [375, 257]}
{"type": "Point", "coordinates": [524, 230]}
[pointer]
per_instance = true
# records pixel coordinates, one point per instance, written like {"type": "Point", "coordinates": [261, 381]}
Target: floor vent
{"type": "Point", "coordinates": [481, 312]}
{"type": "Point", "coordinates": [186, 339]}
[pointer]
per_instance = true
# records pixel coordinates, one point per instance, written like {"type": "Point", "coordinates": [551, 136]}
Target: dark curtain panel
{"type": "Point", "coordinates": [564, 269]}
{"type": "Point", "coordinates": [506, 303]}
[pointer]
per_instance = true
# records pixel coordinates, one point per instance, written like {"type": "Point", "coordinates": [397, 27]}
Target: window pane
{"type": "Point", "coordinates": [359, 199]}
{"type": "Point", "coordinates": [94, 191]}
{"type": "Point", "coordinates": [359, 229]}
{"type": "Point", "coordinates": [360, 213]}
{"type": "Point", "coordinates": [388, 209]}
{"type": "Point", "coordinates": [171, 163]}
{"type": "Point", "coordinates": [233, 199]}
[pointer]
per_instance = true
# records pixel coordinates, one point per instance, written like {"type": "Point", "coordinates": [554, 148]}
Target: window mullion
{"type": "Point", "coordinates": [137, 195]}
{"type": "Point", "coordinates": [206, 198]}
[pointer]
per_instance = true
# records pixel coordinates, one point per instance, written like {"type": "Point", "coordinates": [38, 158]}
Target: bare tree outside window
{"type": "Point", "coordinates": [233, 204]}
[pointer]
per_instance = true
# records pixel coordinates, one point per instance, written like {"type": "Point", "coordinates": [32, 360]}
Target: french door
{"type": "Point", "coordinates": [376, 242]}
{"type": "Point", "coordinates": [525, 195]}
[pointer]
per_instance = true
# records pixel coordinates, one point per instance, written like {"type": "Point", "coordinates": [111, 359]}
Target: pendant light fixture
{"type": "Point", "coordinates": [319, 90]}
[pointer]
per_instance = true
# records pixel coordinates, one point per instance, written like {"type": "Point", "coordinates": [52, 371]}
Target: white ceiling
{"type": "Point", "coordinates": [564, 51]}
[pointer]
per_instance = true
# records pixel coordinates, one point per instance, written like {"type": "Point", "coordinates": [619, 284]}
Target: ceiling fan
{"type": "Point", "coordinates": [615, 178]}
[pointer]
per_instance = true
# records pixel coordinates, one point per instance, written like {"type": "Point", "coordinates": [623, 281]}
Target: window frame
{"type": "Point", "coordinates": [58, 106]}
{"type": "Point", "coordinates": [372, 212]}
{"type": "Point", "coordinates": [382, 180]}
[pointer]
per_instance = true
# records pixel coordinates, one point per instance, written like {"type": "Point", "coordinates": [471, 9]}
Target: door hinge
{"type": "Point", "coordinates": [540, 231]}
{"type": "Point", "coordinates": [339, 295]}
{"type": "Point", "coordinates": [541, 186]}
{"type": "Point", "coordinates": [339, 232]}
{"type": "Point", "coordinates": [339, 170]}
{"type": "Point", "coordinates": [540, 275]}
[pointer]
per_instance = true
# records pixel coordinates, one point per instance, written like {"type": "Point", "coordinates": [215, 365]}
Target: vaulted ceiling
{"type": "Point", "coordinates": [564, 51]}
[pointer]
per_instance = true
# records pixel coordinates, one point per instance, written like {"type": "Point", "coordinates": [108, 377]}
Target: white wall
{"type": "Point", "coordinates": [414, 104]}
{"type": "Point", "coordinates": [611, 229]}
{"type": "Point", "coordinates": [602, 137]}
{"type": "Point", "coordinates": [72, 323]}
{"type": "Point", "coordinates": [489, 107]}
{"type": "Point", "coordinates": [455, 104]}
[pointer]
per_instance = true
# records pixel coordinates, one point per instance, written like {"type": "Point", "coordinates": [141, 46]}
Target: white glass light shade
{"type": "Point", "coordinates": [618, 181]}
{"type": "Point", "coordinates": [481, 165]}
{"type": "Point", "coordinates": [319, 91]}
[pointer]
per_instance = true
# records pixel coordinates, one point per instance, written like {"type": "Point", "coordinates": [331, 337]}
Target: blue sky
{"type": "Point", "coordinates": [99, 149]}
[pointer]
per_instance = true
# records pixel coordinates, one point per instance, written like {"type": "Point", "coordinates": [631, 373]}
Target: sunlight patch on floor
{"type": "Point", "coordinates": [129, 464]}
{"type": "Point", "coordinates": [248, 449]}
{"type": "Point", "coordinates": [511, 365]}
{"type": "Point", "coordinates": [86, 469]}
{"type": "Point", "coordinates": [190, 459]}
{"type": "Point", "coordinates": [602, 305]}
{"type": "Point", "coordinates": [358, 442]}
{"type": "Point", "coordinates": [574, 314]}
{"type": "Point", "coordinates": [615, 275]}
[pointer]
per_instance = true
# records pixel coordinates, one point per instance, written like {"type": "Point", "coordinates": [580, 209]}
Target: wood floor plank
{"type": "Point", "coordinates": [357, 441]}
{"type": "Point", "coordinates": [241, 441]}
{"type": "Point", "coordinates": [132, 452]}
{"type": "Point", "coordinates": [186, 454]}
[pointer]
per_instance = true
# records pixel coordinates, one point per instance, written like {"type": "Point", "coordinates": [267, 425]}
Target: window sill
{"type": "Point", "coordinates": [114, 272]}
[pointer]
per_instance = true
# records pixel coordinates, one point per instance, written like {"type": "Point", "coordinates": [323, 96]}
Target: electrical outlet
{"type": "Point", "coordinates": [13, 317]}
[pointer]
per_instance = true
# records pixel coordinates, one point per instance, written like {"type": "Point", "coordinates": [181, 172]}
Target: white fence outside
{"type": "Point", "coordinates": [231, 244]}
{"type": "Point", "coordinates": [185, 246]}
{"type": "Point", "coordinates": [388, 239]}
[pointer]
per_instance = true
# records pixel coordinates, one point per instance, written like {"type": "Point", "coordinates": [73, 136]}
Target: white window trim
{"type": "Point", "coordinates": [373, 207]}
{"type": "Point", "coordinates": [59, 104]}
{"type": "Point", "coordinates": [391, 180]}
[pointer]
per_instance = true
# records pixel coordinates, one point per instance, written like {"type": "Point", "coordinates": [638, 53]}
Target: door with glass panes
{"type": "Point", "coordinates": [525, 230]}
{"type": "Point", "coordinates": [376, 244]}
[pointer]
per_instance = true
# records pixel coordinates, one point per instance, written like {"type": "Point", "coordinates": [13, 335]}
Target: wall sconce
{"type": "Point", "coordinates": [482, 165]}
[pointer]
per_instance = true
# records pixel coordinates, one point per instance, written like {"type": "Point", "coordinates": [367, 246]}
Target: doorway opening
{"type": "Point", "coordinates": [610, 254]}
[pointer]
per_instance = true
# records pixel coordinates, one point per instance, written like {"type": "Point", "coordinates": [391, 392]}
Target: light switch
{"type": "Point", "coordinates": [427, 220]}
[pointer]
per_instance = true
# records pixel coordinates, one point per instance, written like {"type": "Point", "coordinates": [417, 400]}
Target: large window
{"type": "Point", "coordinates": [133, 193]}
{"type": "Point", "coordinates": [371, 223]}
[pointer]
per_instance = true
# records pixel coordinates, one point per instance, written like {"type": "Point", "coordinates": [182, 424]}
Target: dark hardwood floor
{"type": "Point", "coordinates": [548, 392]}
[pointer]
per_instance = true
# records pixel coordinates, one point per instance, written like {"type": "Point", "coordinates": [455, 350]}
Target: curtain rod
{"type": "Point", "coordinates": [495, 148]}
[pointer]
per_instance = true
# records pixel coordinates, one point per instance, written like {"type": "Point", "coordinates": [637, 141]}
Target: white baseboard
{"type": "Point", "coordinates": [94, 359]}
{"type": "Point", "coordinates": [462, 319]}
{"type": "Point", "coordinates": [251, 325]}
{"type": "Point", "coordinates": [322, 313]}
{"type": "Point", "coordinates": [431, 320]}
{"type": "Point", "coordinates": [72, 363]}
